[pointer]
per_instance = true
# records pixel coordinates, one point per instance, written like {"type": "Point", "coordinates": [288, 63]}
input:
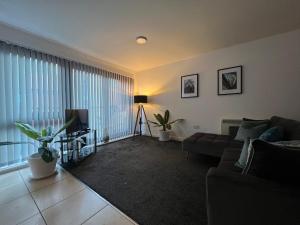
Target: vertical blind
{"type": "Point", "coordinates": [107, 96]}
{"type": "Point", "coordinates": [36, 88]}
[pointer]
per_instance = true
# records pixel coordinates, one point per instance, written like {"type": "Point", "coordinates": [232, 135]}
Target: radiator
{"type": "Point", "coordinates": [230, 126]}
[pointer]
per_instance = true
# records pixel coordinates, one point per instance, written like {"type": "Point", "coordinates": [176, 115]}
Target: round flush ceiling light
{"type": "Point", "coordinates": [141, 40]}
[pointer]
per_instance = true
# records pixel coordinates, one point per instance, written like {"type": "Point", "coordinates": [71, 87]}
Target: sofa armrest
{"type": "Point", "coordinates": [236, 199]}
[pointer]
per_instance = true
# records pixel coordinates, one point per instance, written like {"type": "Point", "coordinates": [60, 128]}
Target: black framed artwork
{"type": "Point", "coordinates": [189, 86]}
{"type": "Point", "coordinates": [230, 80]}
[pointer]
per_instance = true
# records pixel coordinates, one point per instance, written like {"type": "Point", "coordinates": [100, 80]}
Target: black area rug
{"type": "Point", "coordinates": [150, 181]}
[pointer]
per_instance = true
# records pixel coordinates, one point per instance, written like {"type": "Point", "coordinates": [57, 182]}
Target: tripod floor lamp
{"type": "Point", "coordinates": [140, 99]}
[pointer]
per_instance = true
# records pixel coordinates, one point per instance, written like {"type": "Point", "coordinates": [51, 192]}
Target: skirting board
{"type": "Point", "coordinates": [172, 137]}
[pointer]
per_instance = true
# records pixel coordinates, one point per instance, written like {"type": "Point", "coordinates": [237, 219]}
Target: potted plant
{"type": "Point", "coordinates": [163, 121]}
{"type": "Point", "coordinates": [43, 163]}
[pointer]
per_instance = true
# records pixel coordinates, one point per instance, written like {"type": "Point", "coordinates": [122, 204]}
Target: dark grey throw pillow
{"type": "Point", "coordinates": [267, 121]}
{"type": "Point", "coordinates": [250, 129]}
{"type": "Point", "coordinates": [274, 162]}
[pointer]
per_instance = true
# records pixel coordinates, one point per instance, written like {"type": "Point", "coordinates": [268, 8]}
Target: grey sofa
{"type": "Point", "coordinates": [236, 199]}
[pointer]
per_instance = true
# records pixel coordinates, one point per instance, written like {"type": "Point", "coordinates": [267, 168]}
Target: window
{"type": "Point", "coordinates": [107, 96]}
{"type": "Point", "coordinates": [37, 88]}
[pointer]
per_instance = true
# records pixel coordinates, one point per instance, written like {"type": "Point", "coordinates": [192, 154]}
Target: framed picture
{"type": "Point", "coordinates": [189, 86]}
{"type": "Point", "coordinates": [230, 81]}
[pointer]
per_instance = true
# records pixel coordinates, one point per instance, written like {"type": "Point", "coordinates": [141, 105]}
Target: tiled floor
{"type": "Point", "coordinates": [57, 200]}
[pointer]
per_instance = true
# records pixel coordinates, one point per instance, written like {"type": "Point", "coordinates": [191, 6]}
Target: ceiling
{"type": "Point", "coordinates": [176, 29]}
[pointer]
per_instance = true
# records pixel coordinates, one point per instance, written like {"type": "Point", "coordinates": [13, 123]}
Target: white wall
{"type": "Point", "coordinates": [26, 39]}
{"type": "Point", "coordinates": [271, 85]}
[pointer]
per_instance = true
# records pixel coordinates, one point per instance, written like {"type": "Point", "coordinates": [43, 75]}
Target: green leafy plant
{"type": "Point", "coordinates": [45, 137]}
{"type": "Point", "coordinates": [163, 121]}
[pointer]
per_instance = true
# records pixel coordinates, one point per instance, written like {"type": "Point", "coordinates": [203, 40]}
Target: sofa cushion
{"type": "Point", "coordinates": [272, 134]}
{"type": "Point", "coordinates": [291, 128]}
{"type": "Point", "coordinates": [229, 158]}
{"type": "Point", "coordinates": [274, 162]}
{"type": "Point", "coordinates": [209, 144]}
{"type": "Point", "coordinates": [242, 161]}
{"type": "Point", "coordinates": [250, 129]}
{"type": "Point", "coordinates": [267, 121]}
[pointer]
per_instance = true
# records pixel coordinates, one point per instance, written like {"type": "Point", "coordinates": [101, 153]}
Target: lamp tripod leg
{"type": "Point", "coordinates": [136, 120]}
{"type": "Point", "coordinates": [141, 122]}
{"type": "Point", "coordinates": [146, 120]}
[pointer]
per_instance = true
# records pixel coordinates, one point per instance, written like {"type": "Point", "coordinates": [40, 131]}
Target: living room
{"type": "Point", "coordinates": [150, 113]}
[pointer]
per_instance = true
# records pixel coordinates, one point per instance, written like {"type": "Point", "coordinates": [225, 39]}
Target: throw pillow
{"type": "Point", "coordinates": [249, 129]}
{"type": "Point", "coordinates": [259, 121]}
{"type": "Point", "coordinates": [248, 134]}
{"type": "Point", "coordinates": [272, 134]}
{"type": "Point", "coordinates": [242, 161]}
{"type": "Point", "coordinates": [274, 162]}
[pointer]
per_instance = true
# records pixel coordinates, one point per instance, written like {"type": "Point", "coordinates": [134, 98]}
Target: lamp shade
{"type": "Point", "coordinates": [140, 99]}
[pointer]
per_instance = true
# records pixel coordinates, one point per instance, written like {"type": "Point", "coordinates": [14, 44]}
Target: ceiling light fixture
{"type": "Point", "coordinates": [141, 40]}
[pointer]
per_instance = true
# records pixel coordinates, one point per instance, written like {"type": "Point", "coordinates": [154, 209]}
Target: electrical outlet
{"type": "Point", "coordinates": [196, 127]}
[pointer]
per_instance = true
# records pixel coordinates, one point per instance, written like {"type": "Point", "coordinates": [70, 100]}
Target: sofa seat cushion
{"type": "Point", "coordinates": [209, 144]}
{"type": "Point", "coordinates": [229, 158]}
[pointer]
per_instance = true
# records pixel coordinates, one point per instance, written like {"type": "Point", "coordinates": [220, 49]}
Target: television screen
{"type": "Point", "coordinates": [81, 121]}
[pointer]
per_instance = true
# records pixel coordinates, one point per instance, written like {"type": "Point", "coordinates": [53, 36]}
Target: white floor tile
{"type": "Point", "coordinates": [54, 193]}
{"type": "Point", "coordinates": [75, 209]}
{"type": "Point", "coordinates": [108, 216]}
{"type": "Point", "coordinates": [34, 184]}
{"type": "Point", "coordinates": [12, 187]}
{"type": "Point", "coordinates": [9, 178]}
{"type": "Point", "coordinates": [17, 210]}
{"type": "Point", "coordinates": [62, 198]}
{"type": "Point", "coordinates": [35, 220]}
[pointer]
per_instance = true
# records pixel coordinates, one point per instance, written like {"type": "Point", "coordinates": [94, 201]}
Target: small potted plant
{"type": "Point", "coordinates": [42, 163]}
{"type": "Point", "coordinates": [163, 121]}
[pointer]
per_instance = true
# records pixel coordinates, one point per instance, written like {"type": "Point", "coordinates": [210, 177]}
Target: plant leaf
{"type": "Point", "coordinates": [168, 126]}
{"type": "Point", "coordinates": [41, 150]}
{"type": "Point", "coordinates": [28, 130]}
{"type": "Point", "coordinates": [44, 132]}
{"type": "Point", "coordinates": [159, 118]}
{"type": "Point", "coordinates": [167, 116]}
{"type": "Point", "coordinates": [47, 156]}
{"type": "Point", "coordinates": [175, 121]}
{"type": "Point", "coordinates": [47, 139]}
{"type": "Point", "coordinates": [67, 124]}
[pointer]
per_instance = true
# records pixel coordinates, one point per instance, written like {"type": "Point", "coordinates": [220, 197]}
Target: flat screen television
{"type": "Point", "coordinates": [81, 121]}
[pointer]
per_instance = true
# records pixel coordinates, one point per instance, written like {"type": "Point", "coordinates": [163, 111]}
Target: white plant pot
{"type": "Point", "coordinates": [164, 135]}
{"type": "Point", "coordinates": [39, 168]}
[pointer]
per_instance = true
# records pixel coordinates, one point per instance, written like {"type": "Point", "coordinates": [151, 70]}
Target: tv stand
{"type": "Point", "coordinates": [71, 148]}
